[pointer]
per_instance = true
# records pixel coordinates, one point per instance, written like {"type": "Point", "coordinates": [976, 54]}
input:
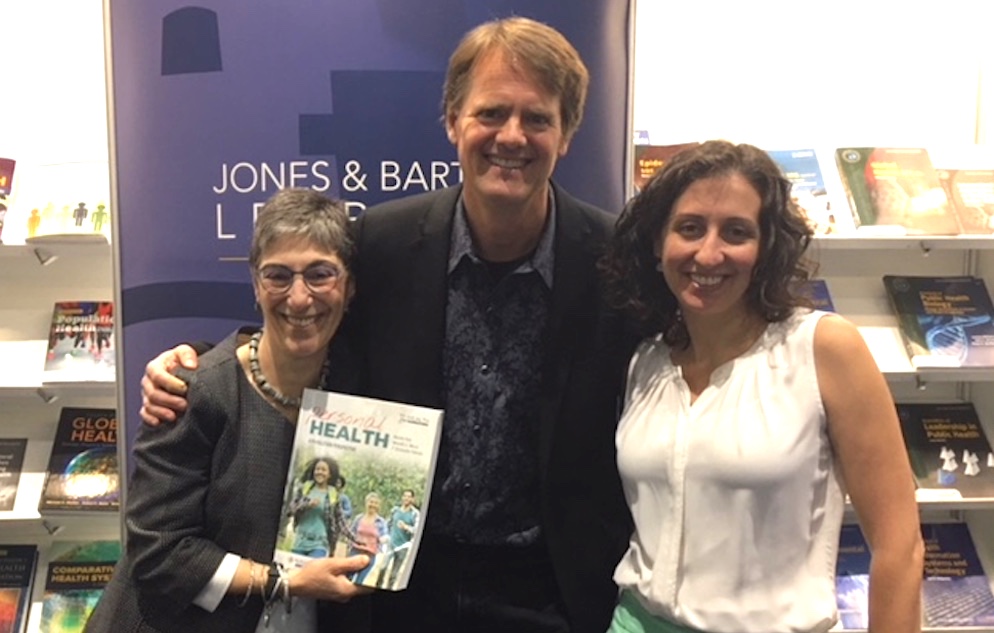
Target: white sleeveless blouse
{"type": "Point", "coordinates": [735, 498]}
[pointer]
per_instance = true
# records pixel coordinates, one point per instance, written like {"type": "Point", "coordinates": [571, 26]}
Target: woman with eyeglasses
{"type": "Point", "coordinates": [205, 499]}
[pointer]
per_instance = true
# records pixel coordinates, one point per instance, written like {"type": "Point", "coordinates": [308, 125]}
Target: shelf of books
{"type": "Point", "coordinates": [58, 430]}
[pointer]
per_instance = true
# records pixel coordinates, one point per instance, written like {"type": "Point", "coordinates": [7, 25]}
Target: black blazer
{"type": "Point", "coordinates": [398, 318]}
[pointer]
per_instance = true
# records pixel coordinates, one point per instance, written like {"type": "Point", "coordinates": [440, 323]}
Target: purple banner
{"type": "Point", "coordinates": [217, 106]}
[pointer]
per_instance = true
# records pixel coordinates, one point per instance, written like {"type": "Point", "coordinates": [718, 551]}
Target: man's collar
{"type": "Point", "coordinates": [542, 258]}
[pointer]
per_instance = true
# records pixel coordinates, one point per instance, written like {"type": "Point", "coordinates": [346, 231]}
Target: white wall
{"type": "Point", "coordinates": [54, 108]}
{"type": "Point", "coordinates": [779, 73]}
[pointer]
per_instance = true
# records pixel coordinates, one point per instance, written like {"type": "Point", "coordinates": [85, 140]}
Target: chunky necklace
{"type": "Point", "coordinates": [260, 379]}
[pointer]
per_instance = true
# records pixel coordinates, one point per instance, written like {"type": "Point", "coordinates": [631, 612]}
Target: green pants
{"type": "Point", "coordinates": [631, 617]}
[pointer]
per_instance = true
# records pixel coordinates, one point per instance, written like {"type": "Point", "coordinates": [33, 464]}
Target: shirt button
{"type": "Point", "coordinates": [466, 486]}
{"type": "Point", "coordinates": [477, 428]}
{"type": "Point", "coordinates": [484, 369]}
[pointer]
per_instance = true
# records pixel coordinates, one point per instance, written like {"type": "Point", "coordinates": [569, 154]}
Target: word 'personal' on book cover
{"type": "Point", "coordinates": [359, 483]}
{"type": "Point", "coordinates": [82, 469]}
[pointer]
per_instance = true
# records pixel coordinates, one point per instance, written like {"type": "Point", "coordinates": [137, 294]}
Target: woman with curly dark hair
{"type": "Point", "coordinates": [748, 416]}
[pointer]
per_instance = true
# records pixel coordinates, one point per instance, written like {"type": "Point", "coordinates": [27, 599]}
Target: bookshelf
{"type": "Point", "coordinates": [60, 143]}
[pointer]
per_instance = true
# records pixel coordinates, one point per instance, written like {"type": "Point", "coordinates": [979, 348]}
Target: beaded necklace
{"type": "Point", "coordinates": [260, 379]}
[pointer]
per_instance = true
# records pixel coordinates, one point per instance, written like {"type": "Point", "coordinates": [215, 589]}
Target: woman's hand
{"type": "Point", "coordinates": [325, 579]}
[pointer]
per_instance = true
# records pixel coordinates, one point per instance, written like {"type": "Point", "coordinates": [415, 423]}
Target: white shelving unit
{"type": "Point", "coordinates": [32, 279]}
{"type": "Point", "coordinates": [853, 267]}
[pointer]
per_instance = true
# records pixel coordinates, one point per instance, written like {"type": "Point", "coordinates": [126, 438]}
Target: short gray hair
{"type": "Point", "coordinates": [304, 213]}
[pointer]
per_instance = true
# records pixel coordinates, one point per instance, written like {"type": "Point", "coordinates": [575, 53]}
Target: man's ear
{"type": "Point", "coordinates": [450, 126]}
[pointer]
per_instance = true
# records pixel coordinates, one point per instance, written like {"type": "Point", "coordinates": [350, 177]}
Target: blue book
{"type": "Point", "coordinates": [801, 168]}
{"type": "Point", "coordinates": [817, 291]}
{"type": "Point", "coordinates": [955, 592]}
{"type": "Point", "coordinates": [852, 579]}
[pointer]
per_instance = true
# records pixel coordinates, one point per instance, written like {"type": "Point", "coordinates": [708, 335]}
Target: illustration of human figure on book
{"type": "Point", "coordinates": [318, 517]}
{"type": "Point", "coordinates": [971, 461]}
{"type": "Point", "coordinates": [79, 213]}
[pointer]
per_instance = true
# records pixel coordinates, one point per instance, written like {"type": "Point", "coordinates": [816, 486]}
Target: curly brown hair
{"type": "Point", "coordinates": [635, 286]}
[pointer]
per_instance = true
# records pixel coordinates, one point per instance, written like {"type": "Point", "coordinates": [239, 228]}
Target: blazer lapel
{"type": "Point", "coordinates": [429, 254]}
{"type": "Point", "coordinates": [574, 303]}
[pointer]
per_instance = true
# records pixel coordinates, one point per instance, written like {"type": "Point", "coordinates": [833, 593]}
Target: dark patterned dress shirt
{"type": "Point", "coordinates": [486, 489]}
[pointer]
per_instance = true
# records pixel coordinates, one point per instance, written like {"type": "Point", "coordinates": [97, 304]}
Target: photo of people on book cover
{"type": "Point", "coordinates": [81, 343]}
{"type": "Point", "coordinates": [359, 483]}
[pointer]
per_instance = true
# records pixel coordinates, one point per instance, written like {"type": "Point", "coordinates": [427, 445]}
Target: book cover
{"type": "Point", "coordinates": [11, 463]}
{"type": "Point", "coordinates": [949, 451]}
{"type": "Point", "coordinates": [651, 158]}
{"type": "Point", "coordinates": [7, 176]}
{"type": "Point", "coordinates": [971, 192]}
{"type": "Point", "coordinates": [945, 321]}
{"type": "Point", "coordinates": [17, 570]}
{"type": "Point", "coordinates": [76, 576]}
{"type": "Point", "coordinates": [895, 187]}
{"type": "Point", "coordinates": [353, 458]}
{"type": "Point", "coordinates": [955, 591]}
{"type": "Point", "coordinates": [82, 469]}
{"type": "Point", "coordinates": [81, 343]}
{"type": "Point", "coordinates": [801, 168]}
{"type": "Point", "coordinates": [852, 579]}
{"type": "Point", "coordinates": [816, 290]}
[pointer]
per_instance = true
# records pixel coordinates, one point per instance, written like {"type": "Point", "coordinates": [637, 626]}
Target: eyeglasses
{"type": "Point", "coordinates": [277, 279]}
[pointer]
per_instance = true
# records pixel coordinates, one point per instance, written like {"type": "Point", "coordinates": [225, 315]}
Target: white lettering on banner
{"type": "Point", "coordinates": [221, 235]}
{"type": "Point", "coordinates": [261, 179]}
{"type": "Point", "coordinates": [391, 179]}
{"type": "Point", "coordinates": [245, 177]}
{"type": "Point", "coordinates": [355, 208]}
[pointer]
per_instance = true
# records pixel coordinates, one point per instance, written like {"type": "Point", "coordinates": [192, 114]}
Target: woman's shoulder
{"type": "Point", "coordinates": [219, 363]}
{"type": "Point", "coordinates": [214, 386]}
{"type": "Point", "coordinates": [650, 361]}
{"type": "Point", "coordinates": [651, 352]}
